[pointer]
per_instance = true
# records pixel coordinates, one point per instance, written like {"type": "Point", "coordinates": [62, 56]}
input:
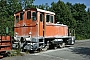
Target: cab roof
{"type": "Point", "coordinates": [37, 9]}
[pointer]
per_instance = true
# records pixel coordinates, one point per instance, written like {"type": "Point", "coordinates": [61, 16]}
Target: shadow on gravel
{"type": "Point", "coordinates": [83, 51]}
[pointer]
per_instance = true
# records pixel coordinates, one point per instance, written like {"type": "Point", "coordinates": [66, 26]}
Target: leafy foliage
{"type": "Point", "coordinates": [7, 9]}
{"type": "Point", "coordinates": [81, 17]}
{"type": "Point", "coordinates": [63, 14]}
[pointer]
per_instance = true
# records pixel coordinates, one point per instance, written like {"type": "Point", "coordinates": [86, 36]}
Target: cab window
{"type": "Point", "coordinates": [17, 18]}
{"type": "Point", "coordinates": [34, 16]}
{"type": "Point", "coordinates": [51, 20]}
{"type": "Point", "coordinates": [47, 18]}
{"type": "Point", "coordinates": [28, 15]}
{"type": "Point", "coordinates": [21, 15]}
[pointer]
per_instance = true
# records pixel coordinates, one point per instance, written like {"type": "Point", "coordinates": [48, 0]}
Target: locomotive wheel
{"type": "Point", "coordinates": [46, 48]}
{"type": "Point", "coordinates": [62, 45]}
{"type": "Point", "coordinates": [55, 47]}
{"type": "Point", "coordinates": [39, 50]}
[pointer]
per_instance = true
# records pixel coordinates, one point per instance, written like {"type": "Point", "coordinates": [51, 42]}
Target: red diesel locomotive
{"type": "Point", "coordinates": [36, 29]}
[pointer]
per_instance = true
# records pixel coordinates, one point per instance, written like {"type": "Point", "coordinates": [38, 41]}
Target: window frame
{"type": "Point", "coordinates": [21, 15]}
{"type": "Point", "coordinates": [46, 17]}
{"type": "Point", "coordinates": [50, 18]}
{"type": "Point", "coordinates": [28, 17]}
{"type": "Point", "coordinates": [16, 18]}
{"type": "Point", "coordinates": [34, 18]}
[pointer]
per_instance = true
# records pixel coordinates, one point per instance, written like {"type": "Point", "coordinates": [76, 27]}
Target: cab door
{"type": "Point", "coordinates": [42, 25]}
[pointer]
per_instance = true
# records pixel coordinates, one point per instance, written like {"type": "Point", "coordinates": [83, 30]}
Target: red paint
{"type": "Point", "coordinates": [5, 43]}
{"type": "Point", "coordinates": [24, 27]}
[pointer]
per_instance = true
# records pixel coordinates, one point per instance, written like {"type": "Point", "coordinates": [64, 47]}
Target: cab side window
{"type": "Point", "coordinates": [21, 15]}
{"type": "Point", "coordinates": [51, 20]}
{"type": "Point", "coordinates": [28, 15]}
{"type": "Point", "coordinates": [34, 15]}
{"type": "Point", "coordinates": [47, 18]}
{"type": "Point", "coordinates": [17, 18]}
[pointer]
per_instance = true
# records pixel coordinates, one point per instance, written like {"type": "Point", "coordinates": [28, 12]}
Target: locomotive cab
{"type": "Point", "coordinates": [30, 18]}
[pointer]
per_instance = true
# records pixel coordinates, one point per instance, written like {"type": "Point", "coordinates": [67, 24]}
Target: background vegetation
{"type": "Point", "coordinates": [73, 15]}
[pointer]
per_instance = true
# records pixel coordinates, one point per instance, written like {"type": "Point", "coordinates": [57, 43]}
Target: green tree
{"type": "Point", "coordinates": [80, 15]}
{"type": "Point", "coordinates": [7, 9]}
{"type": "Point", "coordinates": [63, 14]}
{"type": "Point", "coordinates": [88, 11]}
{"type": "Point", "coordinates": [42, 6]}
{"type": "Point", "coordinates": [3, 16]}
{"type": "Point", "coordinates": [47, 6]}
{"type": "Point", "coordinates": [28, 4]}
